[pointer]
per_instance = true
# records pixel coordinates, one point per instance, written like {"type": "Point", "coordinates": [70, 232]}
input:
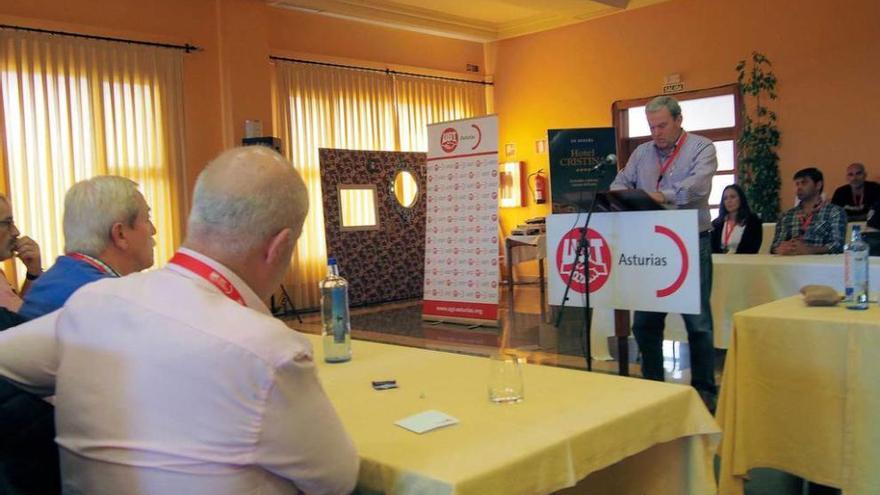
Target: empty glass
{"type": "Point", "coordinates": [505, 379]}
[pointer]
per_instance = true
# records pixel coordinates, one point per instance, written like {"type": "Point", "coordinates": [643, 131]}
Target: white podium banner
{"type": "Point", "coordinates": [461, 234]}
{"type": "Point", "coordinates": [646, 260]}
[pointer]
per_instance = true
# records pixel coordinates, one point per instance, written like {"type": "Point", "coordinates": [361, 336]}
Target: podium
{"type": "Point", "coordinates": [644, 260]}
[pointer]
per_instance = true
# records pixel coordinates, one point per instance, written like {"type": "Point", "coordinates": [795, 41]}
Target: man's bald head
{"type": "Point", "coordinates": [244, 197]}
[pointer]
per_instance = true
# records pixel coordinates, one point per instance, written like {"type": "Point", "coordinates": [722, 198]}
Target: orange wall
{"type": "Point", "coordinates": [824, 55]}
{"type": "Point", "coordinates": [295, 31]}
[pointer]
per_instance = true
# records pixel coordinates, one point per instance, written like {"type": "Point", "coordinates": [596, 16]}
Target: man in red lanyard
{"type": "Point", "coordinates": [676, 168]}
{"type": "Point", "coordinates": [859, 195]}
{"type": "Point", "coordinates": [814, 226]}
{"type": "Point", "coordinates": [179, 380]}
{"type": "Point", "coordinates": [107, 233]}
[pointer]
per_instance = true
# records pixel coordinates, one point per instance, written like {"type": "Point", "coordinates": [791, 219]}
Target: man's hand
{"type": "Point", "coordinates": [786, 248]}
{"type": "Point", "coordinates": [797, 246]}
{"type": "Point", "coordinates": [657, 196]}
{"type": "Point", "coordinates": [29, 253]}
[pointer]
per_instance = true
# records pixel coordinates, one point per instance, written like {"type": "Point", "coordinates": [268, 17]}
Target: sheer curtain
{"type": "Point", "coordinates": [329, 107]}
{"type": "Point", "coordinates": [421, 101]}
{"type": "Point", "coordinates": [75, 108]}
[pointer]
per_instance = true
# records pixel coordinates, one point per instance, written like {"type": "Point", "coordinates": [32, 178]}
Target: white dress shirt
{"type": "Point", "coordinates": [166, 386]}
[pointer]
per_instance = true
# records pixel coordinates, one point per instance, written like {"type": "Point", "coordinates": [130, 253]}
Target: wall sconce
{"type": "Point", "coordinates": [511, 190]}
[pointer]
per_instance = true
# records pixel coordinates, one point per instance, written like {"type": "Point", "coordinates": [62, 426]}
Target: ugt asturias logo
{"type": "Point", "coordinates": [449, 139]}
{"type": "Point", "coordinates": [599, 255]}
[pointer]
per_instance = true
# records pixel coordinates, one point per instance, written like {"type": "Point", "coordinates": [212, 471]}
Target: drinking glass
{"type": "Point", "coordinates": [505, 379]}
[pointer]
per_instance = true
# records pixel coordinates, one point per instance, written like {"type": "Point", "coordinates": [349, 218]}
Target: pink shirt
{"type": "Point", "coordinates": [9, 298]}
{"type": "Point", "coordinates": [165, 385]}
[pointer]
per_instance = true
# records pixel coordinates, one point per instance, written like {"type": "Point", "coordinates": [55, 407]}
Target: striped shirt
{"type": "Point", "coordinates": [686, 183]}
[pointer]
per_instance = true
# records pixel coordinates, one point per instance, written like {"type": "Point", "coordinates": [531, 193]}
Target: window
{"type": "Point", "coordinates": [713, 113]}
{"type": "Point", "coordinates": [357, 207]}
{"type": "Point", "coordinates": [109, 108]}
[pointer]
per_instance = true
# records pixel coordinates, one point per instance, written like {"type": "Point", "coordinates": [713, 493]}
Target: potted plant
{"type": "Point", "coordinates": [758, 169]}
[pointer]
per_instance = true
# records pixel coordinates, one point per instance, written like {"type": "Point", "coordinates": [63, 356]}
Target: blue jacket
{"type": "Point", "coordinates": [51, 290]}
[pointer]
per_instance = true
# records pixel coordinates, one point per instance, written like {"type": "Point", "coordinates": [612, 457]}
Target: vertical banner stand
{"type": "Point", "coordinates": [461, 234]}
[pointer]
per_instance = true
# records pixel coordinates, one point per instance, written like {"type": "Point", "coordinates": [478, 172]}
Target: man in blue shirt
{"type": "Point", "coordinates": [676, 168]}
{"type": "Point", "coordinates": [107, 233]}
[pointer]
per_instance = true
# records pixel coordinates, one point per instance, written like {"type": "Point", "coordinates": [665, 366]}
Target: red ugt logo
{"type": "Point", "coordinates": [449, 139]}
{"type": "Point", "coordinates": [599, 255]}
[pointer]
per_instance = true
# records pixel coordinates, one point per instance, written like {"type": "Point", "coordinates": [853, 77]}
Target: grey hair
{"type": "Point", "coordinates": [666, 102]}
{"type": "Point", "coordinates": [92, 206]}
{"type": "Point", "coordinates": [244, 196]}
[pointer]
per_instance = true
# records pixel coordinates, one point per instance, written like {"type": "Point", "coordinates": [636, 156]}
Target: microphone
{"type": "Point", "coordinates": [611, 159]}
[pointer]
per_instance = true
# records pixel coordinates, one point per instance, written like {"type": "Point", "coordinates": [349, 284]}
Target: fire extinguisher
{"type": "Point", "coordinates": [539, 192]}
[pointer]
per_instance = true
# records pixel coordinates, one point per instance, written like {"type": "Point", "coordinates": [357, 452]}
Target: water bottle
{"type": "Point", "coordinates": [856, 271]}
{"type": "Point", "coordinates": [336, 327]}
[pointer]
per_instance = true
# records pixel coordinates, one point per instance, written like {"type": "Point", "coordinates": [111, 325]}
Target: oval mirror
{"type": "Point", "coordinates": [406, 189]}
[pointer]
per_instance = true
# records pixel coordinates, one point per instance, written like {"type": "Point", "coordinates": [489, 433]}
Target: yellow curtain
{"type": "Point", "coordinates": [76, 108]}
{"type": "Point", "coordinates": [421, 101]}
{"type": "Point", "coordinates": [329, 107]}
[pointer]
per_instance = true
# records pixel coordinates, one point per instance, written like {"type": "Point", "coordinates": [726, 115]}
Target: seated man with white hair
{"type": "Point", "coordinates": [179, 380]}
{"type": "Point", "coordinates": [107, 233]}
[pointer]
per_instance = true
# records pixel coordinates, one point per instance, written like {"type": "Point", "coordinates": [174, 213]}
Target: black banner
{"type": "Point", "coordinates": [578, 166]}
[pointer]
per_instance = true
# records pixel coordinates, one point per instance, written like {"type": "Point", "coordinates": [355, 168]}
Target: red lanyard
{"type": "Point", "coordinates": [95, 262]}
{"type": "Point", "coordinates": [665, 165]}
{"type": "Point", "coordinates": [807, 220]}
{"type": "Point", "coordinates": [203, 270]}
{"type": "Point", "coordinates": [728, 231]}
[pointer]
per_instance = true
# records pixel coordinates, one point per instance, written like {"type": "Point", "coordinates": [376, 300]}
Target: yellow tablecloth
{"type": "Point", "coordinates": [571, 424]}
{"type": "Point", "coordinates": [801, 393]}
{"type": "Point", "coordinates": [742, 281]}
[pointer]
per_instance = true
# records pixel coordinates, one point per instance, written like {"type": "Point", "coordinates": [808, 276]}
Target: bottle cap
{"type": "Point", "coordinates": [331, 261]}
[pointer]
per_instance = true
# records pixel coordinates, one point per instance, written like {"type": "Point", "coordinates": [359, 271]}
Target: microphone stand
{"type": "Point", "coordinates": [583, 250]}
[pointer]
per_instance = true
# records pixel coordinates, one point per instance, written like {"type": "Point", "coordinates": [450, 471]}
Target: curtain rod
{"type": "Point", "coordinates": [384, 71]}
{"type": "Point", "coordinates": [187, 47]}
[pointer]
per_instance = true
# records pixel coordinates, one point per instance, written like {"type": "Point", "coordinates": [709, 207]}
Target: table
{"type": "Point", "coordinates": [801, 393]}
{"type": "Point", "coordinates": [520, 248]}
{"type": "Point", "coordinates": [623, 435]}
{"type": "Point", "coordinates": [741, 281]}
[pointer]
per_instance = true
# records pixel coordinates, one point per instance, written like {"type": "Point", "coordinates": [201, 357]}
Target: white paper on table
{"type": "Point", "coordinates": [426, 421]}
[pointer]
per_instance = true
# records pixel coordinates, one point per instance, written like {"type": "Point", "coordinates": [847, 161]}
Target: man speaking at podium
{"type": "Point", "coordinates": [676, 168]}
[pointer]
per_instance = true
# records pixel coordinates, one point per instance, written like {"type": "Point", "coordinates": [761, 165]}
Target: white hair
{"type": "Point", "coordinates": [92, 206]}
{"type": "Point", "coordinates": [244, 196]}
{"type": "Point", "coordinates": [662, 102]}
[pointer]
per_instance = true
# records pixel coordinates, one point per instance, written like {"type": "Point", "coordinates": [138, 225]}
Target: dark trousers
{"type": "Point", "coordinates": [648, 327]}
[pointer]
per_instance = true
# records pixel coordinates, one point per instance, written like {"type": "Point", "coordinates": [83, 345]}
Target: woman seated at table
{"type": "Point", "coordinates": [737, 229]}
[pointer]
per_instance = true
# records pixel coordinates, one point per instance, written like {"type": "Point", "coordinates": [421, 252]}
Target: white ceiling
{"type": "Point", "coordinates": [475, 20]}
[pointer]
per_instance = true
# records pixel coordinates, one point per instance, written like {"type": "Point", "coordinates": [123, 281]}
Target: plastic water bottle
{"type": "Point", "coordinates": [336, 327]}
{"type": "Point", "coordinates": [856, 271]}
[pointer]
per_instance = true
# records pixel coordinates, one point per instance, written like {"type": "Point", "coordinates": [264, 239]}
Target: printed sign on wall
{"type": "Point", "coordinates": [461, 235]}
{"type": "Point", "coordinates": [645, 260]}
